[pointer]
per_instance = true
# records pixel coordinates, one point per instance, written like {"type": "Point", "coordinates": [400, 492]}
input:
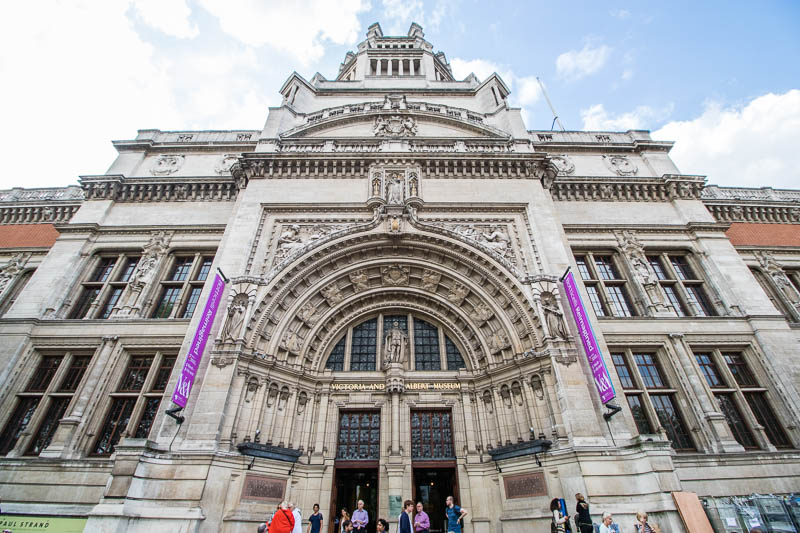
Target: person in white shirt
{"type": "Point", "coordinates": [298, 518]}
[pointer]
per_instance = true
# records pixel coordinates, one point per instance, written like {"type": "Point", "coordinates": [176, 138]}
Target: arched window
{"type": "Point", "coordinates": [362, 346]}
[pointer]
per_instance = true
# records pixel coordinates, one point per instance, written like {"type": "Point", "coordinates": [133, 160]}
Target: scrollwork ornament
{"type": "Point", "coordinates": [563, 164]}
{"type": "Point", "coordinates": [621, 165]}
{"type": "Point", "coordinates": [166, 164]}
{"type": "Point", "coordinates": [395, 275]}
{"type": "Point", "coordinates": [225, 163]}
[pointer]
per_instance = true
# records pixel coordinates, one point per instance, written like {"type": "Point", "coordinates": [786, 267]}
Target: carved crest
{"type": "Point", "coordinates": [620, 165]}
{"type": "Point", "coordinates": [225, 163]}
{"type": "Point", "coordinates": [563, 164]}
{"type": "Point", "coordinates": [395, 275]}
{"type": "Point", "coordinates": [166, 164]}
{"type": "Point", "coordinates": [394, 126]}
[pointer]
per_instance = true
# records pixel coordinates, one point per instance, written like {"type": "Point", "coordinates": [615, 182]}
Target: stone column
{"type": "Point", "coordinates": [395, 386]}
{"type": "Point", "coordinates": [322, 424]}
{"type": "Point", "coordinates": [378, 67]}
{"type": "Point", "coordinates": [469, 426]}
{"type": "Point", "coordinates": [400, 67]}
{"type": "Point", "coordinates": [389, 67]}
{"type": "Point", "coordinates": [559, 430]}
{"type": "Point", "coordinates": [502, 421]}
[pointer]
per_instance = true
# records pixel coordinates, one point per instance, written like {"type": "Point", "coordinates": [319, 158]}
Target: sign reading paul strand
{"type": "Point", "coordinates": [195, 354]}
{"type": "Point", "coordinates": [599, 371]}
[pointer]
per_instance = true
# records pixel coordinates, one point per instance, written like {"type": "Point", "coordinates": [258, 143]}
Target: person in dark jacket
{"type": "Point", "coordinates": [404, 525]}
{"type": "Point", "coordinates": [582, 517]}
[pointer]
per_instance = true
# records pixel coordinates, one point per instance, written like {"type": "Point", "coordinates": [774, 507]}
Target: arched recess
{"type": "Point", "coordinates": [304, 310]}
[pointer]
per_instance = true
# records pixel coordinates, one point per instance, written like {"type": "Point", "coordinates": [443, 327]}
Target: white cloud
{"type": "Point", "coordinates": [753, 145]}
{"type": "Point", "coordinates": [596, 118]}
{"type": "Point", "coordinates": [168, 16]}
{"type": "Point", "coordinates": [296, 28]}
{"type": "Point", "coordinates": [620, 13]}
{"type": "Point", "coordinates": [399, 14]}
{"type": "Point", "coordinates": [627, 74]}
{"type": "Point", "coordinates": [577, 64]}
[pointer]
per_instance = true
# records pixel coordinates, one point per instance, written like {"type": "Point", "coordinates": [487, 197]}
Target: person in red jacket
{"type": "Point", "coordinates": [282, 520]}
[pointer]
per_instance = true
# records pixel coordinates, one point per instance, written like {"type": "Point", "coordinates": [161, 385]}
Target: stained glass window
{"type": "Point", "coordinates": [454, 359]}
{"type": "Point", "coordinates": [359, 436]}
{"type": "Point", "coordinates": [336, 358]}
{"type": "Point", "coordinates": [362, 353]}
{"type": "Point", "coordinates": [426, 346]}
{"type": "Point", "coordinates": [431, 435]}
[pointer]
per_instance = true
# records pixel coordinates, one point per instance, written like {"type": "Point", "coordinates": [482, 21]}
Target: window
{"type": "Point", "coordinates": [15, 291]}
{"type": "Point", "coordinates": [134, 404]}
{"type": "Point", "coordinates": [431, 435]}
{"type": "Point", "coordinates": [359, 436]}
{"type": "Point", "coordinates": [100, 292]}
{"type": "Point", "coordinates": [181, 289]}
{"type": "Point", "coordinates": [604, 285]}
{"type": "Point", "coordinates": [772, 293]}
{"type": "Point", "coordinates": [737, 389]}
{"type": "Point", "coordinates": [43, 402]}
{"type": "Point", "coordinates": [650, 398]}
{"type": "Point", "coordinates": [426, 345]}
{"type": "Point", "coordinates": [681, 285]}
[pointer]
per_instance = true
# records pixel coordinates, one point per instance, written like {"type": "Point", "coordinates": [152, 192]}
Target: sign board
{"type": "Point", "coordinates": [36, 524]}
{"type": "Point", "coordinates": [525, 485]}
{"type": "Point", "coordinates": [599, 371]}
{"type": "Point", "coordinates": [263, 488]}
{"type": "Point", "coordinates": [195, 353]}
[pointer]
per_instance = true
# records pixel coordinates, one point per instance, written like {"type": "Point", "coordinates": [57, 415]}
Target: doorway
{"type": "Point", "coordinates": [353, 484]}
{"type": "Point", "coordinates": [432, 486]}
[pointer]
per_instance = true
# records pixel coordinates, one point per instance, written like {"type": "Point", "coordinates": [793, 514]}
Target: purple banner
{"type": "Point", "coordinates": [195, 354]}
{"type": "Point", "coordinates": [596, 363]}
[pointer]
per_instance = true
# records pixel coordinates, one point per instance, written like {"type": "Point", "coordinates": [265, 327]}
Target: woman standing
{"type": "Point", "coordinates": [315, 521]}
{"type": "Point", "coordinates": [583, 519]}
{"type": "Point", "coordinates": [339, 521]}
{"type": "Point", "coordinates": [559, 519]}
{"type": "Point", "coordinates": [642, 526]}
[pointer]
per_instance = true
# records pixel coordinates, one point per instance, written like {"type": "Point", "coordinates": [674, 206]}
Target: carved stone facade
{"type": "Point", "coordinates": [392, 252]}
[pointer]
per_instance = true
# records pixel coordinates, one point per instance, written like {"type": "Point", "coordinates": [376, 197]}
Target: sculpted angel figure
{"type": "Point", "coordinates": [395, 345]}
{"type": "Point", "coordinates": [395, 195]}
{"type": "Point", "coordinates": [289, 241]}
{"type": "Point", "coordinates": [496, 240]}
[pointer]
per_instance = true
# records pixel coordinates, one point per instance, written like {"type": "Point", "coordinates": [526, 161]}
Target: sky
{"type": "Point", "coordinates": [719, 78]}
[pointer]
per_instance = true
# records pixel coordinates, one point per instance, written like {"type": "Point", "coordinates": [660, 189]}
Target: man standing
{"type": "Point", "coordinates": [360, 518]}
{"type": "Point", "coordinates": [405, 518]}
{"type": "Point", "coordinates": [298, 518]}
{"type": "Point", "coordinates": [455, 514]}
{"type": "Point", "coordinates": [422, 523]}
{"type": "Point", "coordinates": [582, 517]}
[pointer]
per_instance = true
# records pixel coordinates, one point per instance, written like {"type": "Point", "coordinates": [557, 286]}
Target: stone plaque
{"type": "Point", "coordinates": [262, 488]}
{"type": "Point", "coordinates": [525, 485]}
{"type": "Point", "coordinates": [395, 505]}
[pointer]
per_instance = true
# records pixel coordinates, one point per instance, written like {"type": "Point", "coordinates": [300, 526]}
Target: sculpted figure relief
{"type": "Point", "coordinates": [395, 345]}
{"type": "Point", "coordinates": [394, 194]}
{"type": "Point", "coordinates": [413, 185]}
{"type": "Point", "coordinates": [430, 280]}
{"type": "Point", "coordinates": [332, 294]}
{"type": "Point", "coordinates": [553, 316]}
{"type": "Point", "coordinates": [292, 342]}
{"type": "Point", "coordinates": [498, 341]}
{"type": "Point", "coordinates": [496, 240]}
{"type": "Point", "coordinates": [376, 184]}
{"type": "Point", "coordinates": [10, 270]}
{"type": "Point", "coordinates": [481, 313]}
{"type": "Point", "coordinates": [235, 319]}
{"type": "Point", "coordinates": [395, 275]}
{"type": "Point", "coordinates": [308, 313]}
{"type": "Point", "coordinates": [457, 293]}
{"type": "Point", "coordinates": [360, 280]}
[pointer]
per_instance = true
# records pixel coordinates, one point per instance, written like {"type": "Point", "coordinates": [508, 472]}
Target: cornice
{"type": "Point", "coordinates": [121, 189]}
{"type": "Point", "coordinates": [647, 228]}
{"type": "Point", "coordinates": [50, 213]}
{"type": "Point", "coordinates": [667, 188]}
{"type": "Point", "coordinates": [94, 228]}
{"type": "Point", "coordinates": [758, 205]}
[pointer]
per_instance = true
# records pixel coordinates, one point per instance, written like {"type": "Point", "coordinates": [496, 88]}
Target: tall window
{"type": "Point", "coordinates": [359, 436]}
{"type": "Point", "coordinates": [651, 399]}
{"type": "Point", "coordinates": [363, 346]}
{"type": "Point", "coordinates": [605, 284]}
{"type": "Point", "coordinates": [431, 435]}
{"type": "Point", "coordinates": [739, 394]}
{"type": "Point", "coordinates": [22, 280]}
{"type": "Point", "coordinates": [44, 402]}
{"type": "Point", "coordinates": [181, 289]}
{"type": "Point", "coordinates": [134, 404]}
{"type": "Point", "coordinates": [771, 293]}
{"type": "Point", "coordinates": [101, 290]}
{"type": "Point", "coordinates": [681, 283]}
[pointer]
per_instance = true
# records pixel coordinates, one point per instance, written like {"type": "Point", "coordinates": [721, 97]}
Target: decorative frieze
{"type": "Point", "coordinates": [665, 189]}
{"type": "Point", "coordinates": [121, 189]}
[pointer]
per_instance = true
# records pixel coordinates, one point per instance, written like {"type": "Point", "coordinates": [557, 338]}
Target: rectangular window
{"type": "Point", "coordinates": [426, 346]}
{"type": "Point", "coordinates": [167, 302]}
{"type": "Point", "coordinates": [431, 435]}
{"type": "Point", "coordinates": [180, 292]}
{"type": "Point", "coordinates": [582, 268]}
{"type": "Point", "coordinates": [205, 268]}
{"type": "Point", "coordinates": [47, 368]}
{"type": "Point", "coordinates": [103, 270]}
{"type": "Point", "coordinates": [672, 296]}
{"type": "Point", "coordinates": [648, 369]}
{"type": "Point", "coordinates": [127, 271]}
{"type": "Point", "coordinates": [191, 303]}
{"type": "Point", "coordinates": [739, 369]}
{"type": "Point", "coordinates": [735, 420]}
{"type": "Point", "coordinates": [119, 415]}
{"type": "Point", "coordinates": [44, 435]}
{"type": "Point", "coordinates": [359, 436]}
{"type": "Point", "coordinates": [162, 377]}
{"type": "Point", "coordinates": [112, 300]}
{"type": "Point", "coordinates": [709, 370]}
{"type": "Point", "coordinates": [697, 298]}
{"type": "Point", "coordinates": [106, 285]}
{"type": "Point", "coordinates": [619, 300]}
{"type": "Point", "coordinates": [655, 264]}
{"type": "Point", "coordinates": [135, 374]}
{"type": "Point", "coordinates": [594, 297]}
{"type": "Point", "coordinates": [87, 298]}
{"type": "Point", "coordinates": [623, 371]}
{"type": "Point", "coordinates": [18, 422]}
{"type": "Point", "coordinates": [148, 415]}
{"type": "Point", "coordinates": [670, 419]}
{"type": "Point", "coordinates": [605, 267]}
{"type": "Point", "coordinates": [363, 350]}
{"type": "Point", "coordinates": [336, 358]}
{"type": "Point", "coordinates": [454, 359]}
{"type": "Point", "coordinates": [75, 372]}
{"type": "Point", "coordinates": [605, 286]}
{"type": "Point", "coordinates": [766, 417]}
{"type": "Point", "coordinates": [682, 286]}
{"type": "Point", "coordinates": [639, 415]}
{"type": "Point", "coordinates": [181, 268]}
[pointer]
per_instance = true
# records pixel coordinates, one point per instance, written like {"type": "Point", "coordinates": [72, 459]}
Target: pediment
{"type": "Point", "coordinates": [395, 124]}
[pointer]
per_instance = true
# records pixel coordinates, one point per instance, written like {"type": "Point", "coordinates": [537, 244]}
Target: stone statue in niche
{"type": "Point", "coordinates": [506, 395]}
{"type": "Point", "coordinates": [302, 400]}
{"type": "Point", "coordinates": [394, 190]}
{"type": "Point", "coordinates": [252, 387]}
{"type": "Point", "coordinates": [775, 271]}
{"type": "Point", "coordinates": [395, 345]}
{"type": "Point", "coordinates": [457, 293]}
{"type": "Point", "coordinates": [376, 185]}
{"type": "Point", "coordinates": [487, 401]}
{"type": "Point", "coordinates": [236, 312]}
{"type": "Point", "coordinates": [360, 280]}
{"type": "Point", "coordinates": [430, 280]}
{"type": "Point", "coordinates": [413, 185]}
{"type": "Point", "coordinates": [553, 316]}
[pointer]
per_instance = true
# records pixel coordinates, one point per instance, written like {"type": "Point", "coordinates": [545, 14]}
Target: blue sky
{"type": "Point", "coordinates": [722, 79]}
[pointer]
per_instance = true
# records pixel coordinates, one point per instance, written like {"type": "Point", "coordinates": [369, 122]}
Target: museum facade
{"type": "Point", "coordinates": [394, 322]}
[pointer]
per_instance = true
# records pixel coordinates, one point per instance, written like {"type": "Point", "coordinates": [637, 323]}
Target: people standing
{"type": "Point", "coordinates": [643, 526]}
{"type": "Point", "coordinates": [559, 518]}
{"type": "Point", "coordinates": [339, 521]}
{"type": "Point", "coordinates": [282, 520]}
{"type": "Point", "coordinates": [315, 520]}
{"type": "Point", "coordinates": [583, 519]}
{"type": "Point", "coordinates": [382, 526]}
{"type": "Point", "coordinates": [422, 522]}
{"type": "Point", "coordinates": [360, 518]}
{"type": "Point", "coordinates": [455, 515]}
{"type": "Point", "coordinates": [404, 520]}
{"type": "Point", "coordinates": [347, 526]}
{"type": "Point", "coordinates": [298, 518]}
{"type": "Point", "coordinates": [608, 525]}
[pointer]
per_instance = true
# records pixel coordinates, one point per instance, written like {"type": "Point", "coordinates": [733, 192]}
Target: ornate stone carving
{"type": "Point", "coordinates": [634, 251]}
{"type": "Point", "coordinates": [308, 313]}
{"type": "Point", "coordinates": [395, 275]}
{"type": "Point", "coordinates": [395, 126]}
{"type": "Point", "coordinates": [395, 345]}
{"type": "Point", "coordinates": [302, 401]}
{"type": "Point", "coordinates": [332, 294]}
{"type": "Point", "coordinates": [457, 293]}
{"type": "Point", "coordinates": [166, 164]}
{"type": "Point", "coordinates": [779, 278]}
{"type": "Point", "coordinates": [296, 237]}
{"type": "Point", "coordinates": [395, 385]}
{"type": "Point", "coordinates": [376, 185]}
{"type": "Point", "coordinates": [360, 280]}
{"type": "Point", "coordinates": [225, 163]}
{"type": "Point", "coordinates": [292, 342]}
{"type": "Point", "coordinates": [480, 313]}
{"type": "Point", "coordinates": [153, 252]}
{"type": "Point", "coordinates": [413, 184]}
{"type": "Point", "coordinates": [563, 164]}
{"type": "Point", "coordinates": [554, 317]}
{"type": "Point", "coordinates": [493, 238]}
{"type": "Point", "coordinates": [430, 280]}
{"type": "Point", "coordinates": [621, 165]}
{"type": "Point", "coordinates": [394, 188]}
{"type": "Point", "coordinates": [236, 314]}
{"type": "Point", "coordinates": [498, 341]}
{"type": "Point", "coordinates": [11, 270]}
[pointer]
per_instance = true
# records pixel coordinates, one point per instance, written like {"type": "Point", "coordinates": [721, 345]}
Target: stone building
{"type": "Point", "coordinates": [394, 324]}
